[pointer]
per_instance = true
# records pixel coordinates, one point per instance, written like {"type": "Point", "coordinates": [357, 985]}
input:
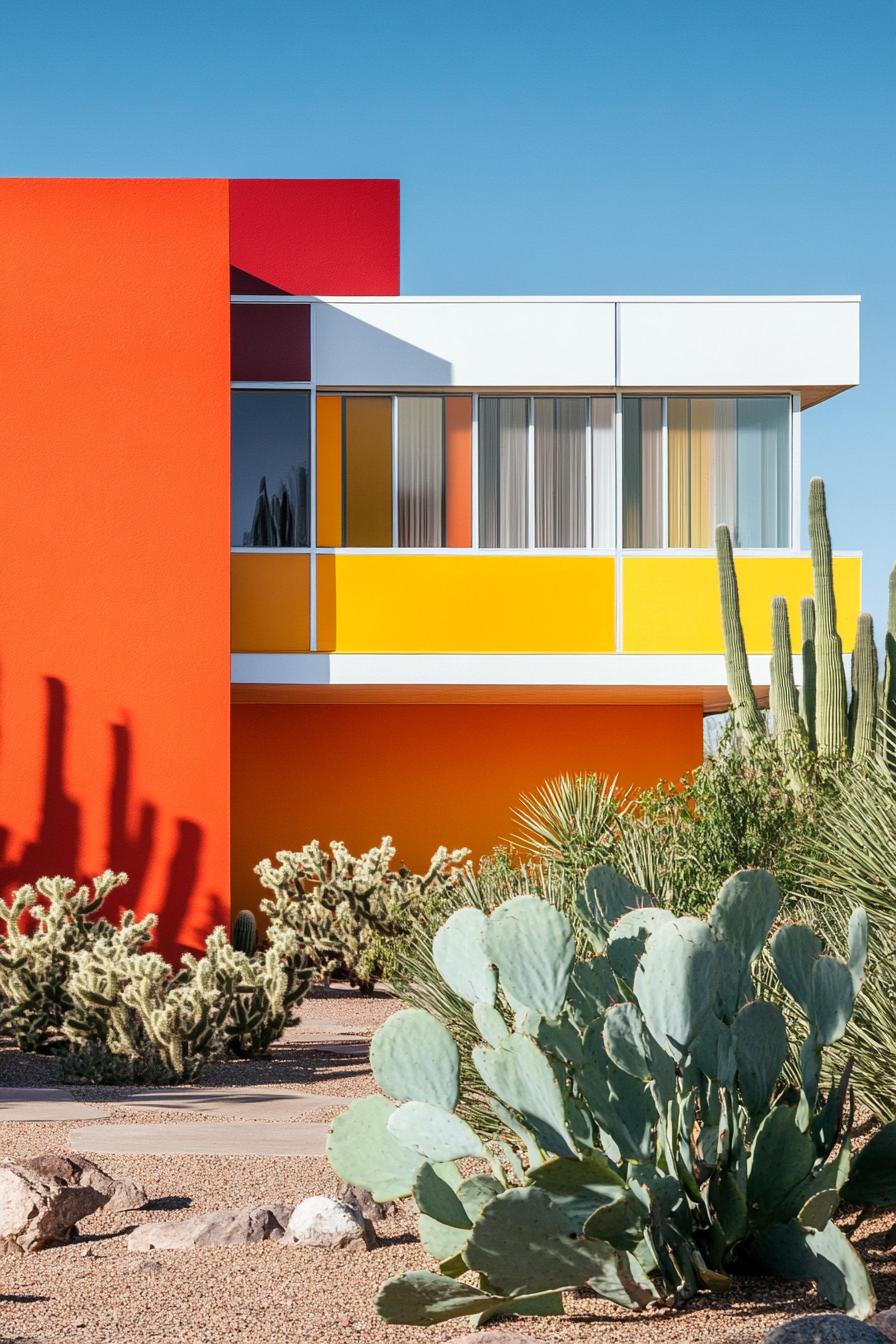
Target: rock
{"type": "Point", "coordinates": [885, 1322]}
{"type": "Point", "coordinates": [320, 1221]}
{"type": "Point", "coordinates": [119, 1196]}
{"type": "Point", "coordinates": [829, 1328]}
{"type": "Point", "coordinates": [41, 1208]}
{"type": "Point", "coordinates": [221, 1227]}
{"type": "Point", "coordinates": [363, 1201]}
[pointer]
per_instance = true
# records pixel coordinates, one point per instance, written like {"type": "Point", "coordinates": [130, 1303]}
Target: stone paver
{"type": "Point", "coordinates": [242, 1139]}
{"type": "Point", "coordinates": [253, 1102]}
{"type": "Point", "coordinates": [356, 1048]}
{"type": "Point", "coordinates": [322, 1029]}
{"type": "Point", "coordinates": [38, 1105]}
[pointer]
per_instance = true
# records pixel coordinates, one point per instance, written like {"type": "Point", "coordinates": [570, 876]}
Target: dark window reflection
{"type": "Point", "coordinates": [270, 458]}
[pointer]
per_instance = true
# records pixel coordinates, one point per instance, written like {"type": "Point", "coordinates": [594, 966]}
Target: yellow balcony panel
{"type": "Point", "coordinates": [465, 603]}
{"type": "Point", "coordinates": [270, 607]}
{"type": "Point", "coordinates": [670, 603]}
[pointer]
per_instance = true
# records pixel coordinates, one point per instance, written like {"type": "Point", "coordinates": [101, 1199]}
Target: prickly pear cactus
{"type": "Point", "coordinates": [646, 1142]}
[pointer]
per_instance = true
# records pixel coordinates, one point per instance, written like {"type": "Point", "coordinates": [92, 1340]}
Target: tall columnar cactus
{"type": "Point", "coordinates": [244, 934]}
{"type": "Point", "coordinates": [646, 1146]}
{"type": "Point", "coordinates": [821, 714]}
{"type": "Point", "coordinates": [783, 699]}
{"type": "Point", "coordinates": [807, 689]}
{"type": "Point", "coordinates": [864, 706]}
{"type": "Point", "coordinates": [743, 701]}
{"type": "Point", "coordinates": [831, 706]}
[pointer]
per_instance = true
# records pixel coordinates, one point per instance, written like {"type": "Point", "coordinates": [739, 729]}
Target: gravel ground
{"type": "Point", "coordinates": [94, 1292]}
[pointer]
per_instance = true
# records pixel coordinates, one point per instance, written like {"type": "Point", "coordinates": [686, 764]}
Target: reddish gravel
{"type": "Point", "coordinates": [95, 1292]}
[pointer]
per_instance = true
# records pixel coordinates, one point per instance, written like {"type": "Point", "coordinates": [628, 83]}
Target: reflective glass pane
{"type": "Point", "coordinates": [270, 454]}
{"type": "Point", "coordinates": [421, 471]}
{"type": "Point", "coordinates": [642, 472]}
{"type": "Point", "coordinates": [560, 471]}
{"type": "Point", "coordinates": [503, 469]}
{"type": "Point", "coordinates": [603, 471]}
{"type": "Point", "coordinates": [367, 471]}
{"type": "Point", "coordinates": [763, 471]}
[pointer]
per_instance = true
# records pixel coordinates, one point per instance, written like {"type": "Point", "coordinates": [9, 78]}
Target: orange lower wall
{"type": "Point", "coordinates": [427, 774]}
{"type": "Point", "coordinates": [114, 473]}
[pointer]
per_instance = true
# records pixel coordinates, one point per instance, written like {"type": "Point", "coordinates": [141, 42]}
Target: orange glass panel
{"type": "Point", "coordinates": [329, 471]}
{"type": "Point", "coordinates": [458, 471]}
{"type": "Point", "coordinates": [368, 471]}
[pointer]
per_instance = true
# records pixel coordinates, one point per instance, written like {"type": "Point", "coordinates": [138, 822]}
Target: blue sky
{"type": "Point", "coordinates": [565, 148]}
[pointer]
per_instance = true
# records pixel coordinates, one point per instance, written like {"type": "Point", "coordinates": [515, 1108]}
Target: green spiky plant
{"type": "Point", "coordinates": [244, 934]}
{"type": "Point", "coordinates": [647, 1146]}
{"type": "Point", "coordinates": [42, 929]}
{"type": "Point", "coordinates": [831, 723]}
{"type": "Point", "coordinates": [344, 908]}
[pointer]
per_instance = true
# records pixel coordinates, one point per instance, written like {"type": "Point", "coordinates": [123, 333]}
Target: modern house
{"type": "Point", "coordinates": [283, 565]}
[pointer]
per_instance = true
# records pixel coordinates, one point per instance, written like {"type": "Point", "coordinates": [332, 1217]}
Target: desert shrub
{"type": "Point", "coordinates": [347, 910]}
{"type": "Point", "coordinates": [646, 1147]}
{"type": "Point", "coordinates": [78, 985]}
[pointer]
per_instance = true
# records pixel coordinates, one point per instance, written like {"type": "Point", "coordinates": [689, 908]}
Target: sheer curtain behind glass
{"type": "Point", "coordinates": [421, 471]}
{"type": "Point", "coordinates": [503, 459]}
{"type": "Point", "coordinates": [763, 471]}
{"type": "Point", "coordinates": [603, 472]}
{"type": "Point", "coordinates": [642, 472]}
{"type": "Point", "coordinates": [560, 434]}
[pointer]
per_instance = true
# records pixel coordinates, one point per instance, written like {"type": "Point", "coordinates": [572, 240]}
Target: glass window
{"type": "Point", "coordinates": [421, 471]}
{"type": "Point", "coordinates": [603, 472]}
{"type": "Point", "coordinates": [729, 462]}
{"type": "Point", "coordinates": [560, 471]}
{"type": "Point", "coordinates": [642, 472]}
{"type": "Point", "coordinates": [503, 469]}
{"type": "Point", "coordinates": [270, 454]}
{"type": "Point", "coordinates": [367, 471]}
{"type": "Point", "coordinates": [270, 342]}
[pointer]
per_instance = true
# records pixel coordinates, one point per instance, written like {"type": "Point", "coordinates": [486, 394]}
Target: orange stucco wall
{"type": "Point", "coordinates": [427, 774]}
{"type": "Point", "coordinates": [114, 473]}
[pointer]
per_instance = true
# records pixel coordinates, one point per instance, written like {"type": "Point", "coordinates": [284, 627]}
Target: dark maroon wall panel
{"type": "Point", "coordinates": [312, 236]}
{"type": "Point", "coordinates": [270, 342]}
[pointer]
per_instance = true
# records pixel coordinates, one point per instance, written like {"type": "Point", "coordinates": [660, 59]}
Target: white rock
{"type": "Point", "coordinates": [320, 1221]}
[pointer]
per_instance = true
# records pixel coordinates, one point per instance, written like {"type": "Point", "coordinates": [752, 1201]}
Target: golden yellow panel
{"type": "Point", "coordinates": [670, 603]}
{"type": "Point", "coordinates": [270, 607]}
{"type": "Point", "coordinates": [465, 603]}
{"type": "Point", "coordinates": [368, 471]}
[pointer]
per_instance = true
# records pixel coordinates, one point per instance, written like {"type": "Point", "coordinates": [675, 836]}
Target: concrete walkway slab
{"type": "Point", "coordinates": [238, 1139]}
{"type": "Point", "coordinates": [256, 1101]}
{"type": "Point", "coordinates": [45, 1105]}
{"type": "Point", "coordinates": [358, 1049]}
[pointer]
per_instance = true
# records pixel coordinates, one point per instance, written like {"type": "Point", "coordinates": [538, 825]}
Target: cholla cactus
{"type": "Point", "coordinates": [165, 1024]}
{"type": "Point", "coordinates": [268, 987]}
{"type": "Point", "coordinates": [338, 904]}
{"type": "Point", "coordinates": [44, 927]}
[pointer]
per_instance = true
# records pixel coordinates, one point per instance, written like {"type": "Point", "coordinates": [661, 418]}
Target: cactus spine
{"type": "Point", "coordinates": [807, 690]}
{"type": "Point", "coordinates": [831, 716]}
{"type": "Point", "coordinates": [863, 707]}
{"type": "Point", "coordinates": [743, 701]}
{"type": "Point", "coordinates": [782, 691]}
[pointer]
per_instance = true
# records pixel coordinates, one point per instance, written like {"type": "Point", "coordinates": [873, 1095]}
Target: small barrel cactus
{"type": "Point", "coordinates": [244, 935]}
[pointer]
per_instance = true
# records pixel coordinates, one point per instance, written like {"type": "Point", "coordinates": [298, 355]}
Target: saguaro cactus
{"type": "Point", "coordinates": [823, 715]}
{"type": "Point", "coordinates": [831, 712]}
{"type": "Point", "coordinates": [783, 699]}
{"type": "Point", "coordinates": [740, 687]}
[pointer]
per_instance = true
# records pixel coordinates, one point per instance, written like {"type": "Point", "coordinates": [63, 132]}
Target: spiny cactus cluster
{"type": "Point", "coordinates": [822, 716]}
{"type": "Point", "coordinates": [339, 905]}
{"type": "Point", "coordinates": [82, 986]}
{"type": "Point", "coordinates": [647, 1145]}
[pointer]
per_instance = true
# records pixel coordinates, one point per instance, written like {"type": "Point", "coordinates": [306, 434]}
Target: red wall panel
{"type": "Point", "coordinates": [314, 237]}
{"type": "Point", "coordinates": [114, 471]}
